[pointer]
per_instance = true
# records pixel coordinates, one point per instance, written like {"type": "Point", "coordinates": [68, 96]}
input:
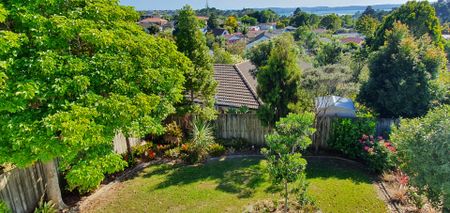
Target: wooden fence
{"type": "Point", "coordinates": [22, 189]}
{"type": "Point", "coordinates": [324, 128]}
{"type": "Point", "coordinates": [120, 145]}
{"type": "Point", "coordinates": [243, 126]}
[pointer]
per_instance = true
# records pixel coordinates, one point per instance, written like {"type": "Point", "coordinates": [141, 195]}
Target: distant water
{"type": "Point", "coordinates": [325, 12]}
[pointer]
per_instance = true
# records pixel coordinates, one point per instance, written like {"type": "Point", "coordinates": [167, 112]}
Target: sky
{"type": "Point", "coordinates": [239, 4]}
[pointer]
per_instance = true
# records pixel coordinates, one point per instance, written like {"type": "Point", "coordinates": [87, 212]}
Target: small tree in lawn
{"type": "Point", "coordinates": [285, 163]}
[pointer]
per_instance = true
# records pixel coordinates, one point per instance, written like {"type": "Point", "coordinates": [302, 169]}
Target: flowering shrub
{"type": "Point", "coordinates": [345, 130]}
{"type": "Point", "coordinates": [378, 153]}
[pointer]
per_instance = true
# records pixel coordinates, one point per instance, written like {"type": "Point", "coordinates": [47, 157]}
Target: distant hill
{"type": "Point", "coordinates": [345, 10]}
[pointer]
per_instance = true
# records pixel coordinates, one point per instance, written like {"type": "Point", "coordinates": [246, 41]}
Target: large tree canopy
{"type": "Point", "coordinates": [420, 18]}
{"type": "Point", "coordinates": [200, 83]}
{"type": "Point", "coordinates": [402, 74]}
{"type": "Point", "coordinates": [277, 78]}
{"type": "Point", "coordinates": [72, 74]}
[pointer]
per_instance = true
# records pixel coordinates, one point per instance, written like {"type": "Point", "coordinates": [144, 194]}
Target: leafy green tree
{"type": "Point", "coordinates": [221, 56]}
{"type": "Point", "coordinates": [259, 55]}
{"type": "Point", "coordinates": [367, 25]}
{"type": "Point", "coordinates": [213, 22]}
{"type": "Point", "coordinates": [331, 22]}
{"type": "Point", "coordinates": [307, 39]}
{"type": "Point", "coordinates": [278, 79]}
{"type": "Point", "coordinates": [285, 163]}
{"type": "Point", "coordinates": [231, 24]}
{"type": "Point", "coordinates": [249, 20]}
{"type": "Point", "coordinates": [422, 147]}
{"type": "Point", "coordinates": [264, 16]}
{"type": "Point", "coordinates": [153, 29]}
{"type": "Point", "coordinates": [347, 20]}
{"type": "Point", "coordinates": [329, 80]}
{"type": "Point", "coordinates": [200, 83]}
{"type": "Point", "coordinates": [329, 53]}
{"type": "Point", "coordinates": [402, 74]}
{"type": "Point", "coordinates": [72, 75]}
{"type": "Point", "coordinates": [369, 12]}
{"type": "Point", "coordinates": [420, 18]}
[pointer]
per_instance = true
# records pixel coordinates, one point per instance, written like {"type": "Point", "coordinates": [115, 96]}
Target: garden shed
{"type": "Point", "coordinates": [335, 106]}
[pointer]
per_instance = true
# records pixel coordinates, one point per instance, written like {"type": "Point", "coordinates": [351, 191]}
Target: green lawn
{"type": "Point", "coordinates": [230, 185]}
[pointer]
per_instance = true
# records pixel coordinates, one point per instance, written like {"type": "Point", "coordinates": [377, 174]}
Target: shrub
{"type": "Point", "coordinates": [236, 143]}
{"type": "Point", "coordinates": [202, 137]}
{"type": "Point", "coordinates": [173, 153]}
{"type": "Point", "coordinates": [216, 150]}
{"type": "Point", "coordinates": [142, 150]}
{"type": "Point", "coordinates": [346, 131]}
{"type": "Point", "coordinates": [423, 150]}
{"type": "Point", "coordinates": [379, 154]}
{"type": "Point", "coordinates": [46, 207]}
{"type": "Point", "coordinates": [174, 134]}
{"type": "Point", "coordinates": [4, 207]}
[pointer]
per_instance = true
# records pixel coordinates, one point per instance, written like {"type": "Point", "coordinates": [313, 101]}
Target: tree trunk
{"type": "Point", "coordinates": [53, 190]}
{"type": "Point", "coordinates": [285, 196]}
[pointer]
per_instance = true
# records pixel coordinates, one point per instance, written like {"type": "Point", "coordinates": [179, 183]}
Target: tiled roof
{"type": "Point", "coordinates": [159, 21]}
{"type": "Point", "coordinates": [233, 89]}
{"type": "Point", "coordinates": [355, 40]}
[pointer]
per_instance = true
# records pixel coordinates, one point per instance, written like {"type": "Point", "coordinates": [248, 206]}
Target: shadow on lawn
{"type": "Point", "coordinates": [242, 176]}
{"type": "Point", "coordinates": [335, 168]}
{"type": "Point", "coordinates": [237, 176]}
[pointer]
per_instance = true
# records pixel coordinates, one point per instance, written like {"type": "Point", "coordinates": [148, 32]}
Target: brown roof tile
{"type": "Point", "coordinates": [233, 89]}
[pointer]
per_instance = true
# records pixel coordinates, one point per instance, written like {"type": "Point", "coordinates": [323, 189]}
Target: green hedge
{"type": "Point", "coordinates": [345, 133]}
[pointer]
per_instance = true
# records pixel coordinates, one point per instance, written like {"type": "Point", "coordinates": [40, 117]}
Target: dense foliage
{"type": "Point", "coordinates": [367, 25]}
{"type": "Point", "coordinates": [278, 79]}
{"type": "Point", "coordinates": [423, 146]}
{"type": "Point", "coordinates": [346, 131]}
{"type": "Point", "coordinates": [329, 53]}
{"type": "Point", "coordinates": [331, 22]}
{"type": "Point", "coordinates": [200, 83]}
{"type": "Point", "coordinates": [402, 74]}
{"type": "Point", "coordinates": [73, 73]}
{"type": "Point", "coordinates": [420, 18]}
{"type": "Point", "coordinates": [285, 163]}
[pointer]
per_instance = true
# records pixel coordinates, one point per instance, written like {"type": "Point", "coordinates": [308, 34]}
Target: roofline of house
{"type": "Point", "coordinates": [255, 95]}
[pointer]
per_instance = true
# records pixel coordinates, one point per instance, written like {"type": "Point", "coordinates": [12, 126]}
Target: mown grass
{"type": "Point", "coordinates": [231, 185]}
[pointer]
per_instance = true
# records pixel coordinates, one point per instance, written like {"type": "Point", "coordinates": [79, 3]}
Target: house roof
{"type": "Point", "coordinates": [219, 31]}
{"type": "Point", "coordinates": [154, 20]}
{"type": "Point", "coordinates": [356, 40]}
{"type": "Point", "coordinates": [248, 69]}
{"type": "Point", "coordinates": [233, 89]}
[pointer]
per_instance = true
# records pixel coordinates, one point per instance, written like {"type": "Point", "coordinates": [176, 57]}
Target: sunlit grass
{"type": "Point", "coordinates": [231, 185]}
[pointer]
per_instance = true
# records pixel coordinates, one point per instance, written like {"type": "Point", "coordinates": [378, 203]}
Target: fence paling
{"type": "Point", "coordinates": [243, 126]}
{"type": "Point", "coordinates": [22, 189]}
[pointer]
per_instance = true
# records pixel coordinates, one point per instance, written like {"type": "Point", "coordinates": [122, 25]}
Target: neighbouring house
{"type": "Point", "coordinates": [233, 38]}
{"type": "Point", "coordinates": [153, 21]}
{"type": "Point", "coordinates": [290, 29]}
{"type": "Point", "coordinates": [356, 40]}
{"type": "Point", "coordinates": [335, 106]}
{"type": "Point", "coordinates": [266, 35]}
{"type": "Point", "coordinates": [320, 31]}
{"type": "Point", "coordinates": [236, 88]}
{"type": "Point", "coordinates": [220, 32]}
{"type": "Point", "coordinates": [268, 26]}
{"type": "Point", "coordinates": [254, 28]}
